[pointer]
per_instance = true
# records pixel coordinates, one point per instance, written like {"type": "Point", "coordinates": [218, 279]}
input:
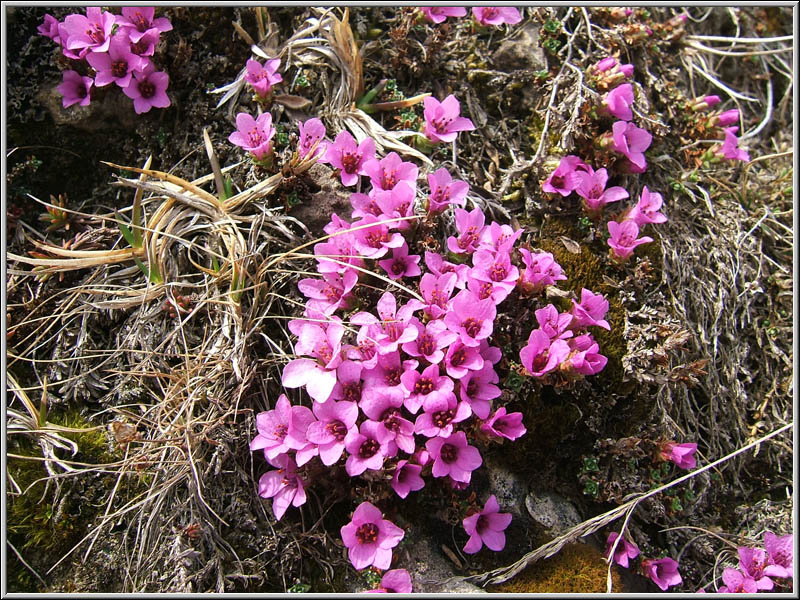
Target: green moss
{"type": "Point", "coordinates": [39, 522]}
{"type": "Point", "coordinates": [577, 568]}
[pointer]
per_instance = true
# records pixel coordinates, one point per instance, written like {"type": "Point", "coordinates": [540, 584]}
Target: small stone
{"type": "Point", "coordinates": [553, 512]}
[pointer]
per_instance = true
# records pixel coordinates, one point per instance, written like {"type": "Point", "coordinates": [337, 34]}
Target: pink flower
{"type": "Point", "coordinates": [75, 89]}
{"type": "Point", "coordinates": [703, 102]}
{"type": "Point", "coordinates": [589, 311]}
{"type": "Point", "coordinates": [461, 359]}
{"type": "Point", "coordinates": [440, 416]}
{"type": "Point", "coordinates": [663, 572]}
{"type": "Point", "coordinates": [370, 538]}
{"type": "Point", "coordinates": [499, 238]}
{"type": "Point", "coordinates": [680, 454]}
{"type": "Point", "coordinates": [330, 293]}
{"type": "Point", "coordinates": [502, 425]}
{"type": "Point", "coordinates": [730, 147]}
{"type": "Point", "coordinates": [396, 581]}
{"type": "Point", "coordinates": [470, 226]}
{"type": "Point", "coordinates": [631, 141]}
{"type": "Point", "coordinates": [396, 203]}
{"type": "Point", "coordinates": [624, 238]}
{"type": "Point", "coordinates": [385, 377]}
{"type": "Point", "coordinates": [625, 549]}
{"type": "Point", "coordinates": [384, 409]}
{"type": "Point", "coordinates": [138, 21]}
{"type": "Point", "coordinates": [372, 239]}
{"type": "Point", "coordinates": [618, 102]}
{"type": "Point", "coordinates": [609, 62]}
{"type": "Point", "coordinates": [565, 178]}
{"type": "Point", "coordinates": [729, 117]}
{"type": "Point", "coordinates": [583, 358]}
{"type": "Point", "coordinates": [646, 209]}
{"type": "Point", "coordinates": [445, 190]}
{"type": "Point", "coordinates": [430, 341]}
{"type": "Point", "coordinates": [390, 170]}
{"type": "Point", "coordinates": [283, 485]}
{"type": "Point", "coordinates": [425, 387]}
{"type": "Point", "coordinates": [496, 15]}
{"type": "Point", "coordinates": [312, 132]}
{"type": "Point", "coordinates": [254, 135]}
{"type": "Point", "coordinates": [487, 527]}
{"type": "Point", "coordinates": [495, 267]}
{"type": "Point", "coordinates": [592, 188]}
{"type": "Point", "coordinates": [437, 14]}
{"type": "Point", "coordinates": [401, 264]}
{"type": "Point", "coordinates": [263, 77]}
{"type": "Point", "coordinates": [541, 355]}
{"type": "Point", "coordinates": [368, 447]}
{"type": "Point", "coordinates": [50, 28]}
{"type": "Point", "coordinates": [553, 323]}
{"type": "Point", "coordinates": [478, 390]}
{"type": "Point", "coordinates": [452, 456]}
{"type": "Point", "coordinates": [442, 120]}
{"type": "Point", "coordinates": [407, 478]}
{"type": "Point", "coordinates": [737, 582]}
{"type": "Point", "coordinates": [85, 33]}
{"type": "Point", "coordinates": [282, 428]}
{"type": "Point", "coordinates": [396, 328]}
{"type": "Point", "coordinates": [754, 562]}
{"type": "Point", "coordinates": [780, 551]}
{"type": "Point", "coordinates": [148, 89]}
{"type": "Point", "coordinates": [344, 155]}
{"type": "Point", "coordinates": [438, 266]}
{"type": "Point", "coordinates": [335, 421]}
{"type": "Point", "coordinates": [117, 65]}
{"type": "Point", "coordinates": [146, 46]}
{"type": "Point", "coordinates": [471, 318]}
{"type": "Point", "coordinates": [318, 375]}
{"type": "Point", "coordinates": [541, 270]}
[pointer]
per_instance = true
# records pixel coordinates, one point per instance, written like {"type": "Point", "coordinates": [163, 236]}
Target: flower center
{"type": "Point", "coordinates": [442, 124]}
{"type": "Point", "coordinates": [367, 533]}
{"type": "Point", "coordinates": [557, 181]}
{"type": "Point", "coordinates": [540, 361]}
{"type": "Point", "coordinates": [424, 386]}
{"type": "Point", "coordinates": [350, 162]}
{"type": "Point", "coordinates": [337, 429]}
{"type": "Point", "coordinates": [368, 448]}
{"type": "Point", "coordinates": [498, 272]}
{"type": "Point", "coordinates": [140, 22]}
{"type": "Point", "coordinates": [389, 179]}
{"type": "Point", "coordinates": [280, 432]}
{"type": "Point", "coordinates": [482, 524]}
{"type": "Point", "coordinates": [391, 419]}
{"type": "Point", "coordinates": [375, 239]}
{"type": "Point", "coordinates": [485, 290]}
{"type": "Point", "coordinates": [442, 417]}
{"type": "Point", "coordinates": [393, 376]}
{"type": "Point", "coordinates": [449, 453]}
{"type": "Point", "coordinates": [472, 388]}
{"type": "Point", "coordinates": [119, 68]}
{"type": "Point", "coordinates": [255, 136]}
{"type": "Point", "coordinates": [147, 89]}
{"type": "Point", "coordinates": [398, 267]}
{"type": "Point", "coordinates": [324, 352]}
{"type": "Point", "coordinates": [426, 344]}
{"type": "Point", "coordinates": [458, 357]}
{"type": "Point", "coordinates": [96, 33]}
{"type": "Point", "coordinates": [472, 326]}
{"type": "Point", "coordinates": [332, 294]}
{"type": "Point", "coordinates": [352, 391]}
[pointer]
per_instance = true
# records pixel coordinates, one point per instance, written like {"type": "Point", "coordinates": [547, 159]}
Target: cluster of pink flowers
{"type": "Point", "coordinates": [729, 147]}
{"type": "Point", "coordinates": [494, 15]}
{"type": "Point", "coordinates": [758, 565]}
{"type": "Point", "coordinates": [116, 48]}
{"type": "Point", "coordinates": [662, 571]}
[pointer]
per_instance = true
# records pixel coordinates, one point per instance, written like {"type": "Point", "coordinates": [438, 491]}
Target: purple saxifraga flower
{"type": "Point", "coordinates": [282, 429]}
{"type": "Point", "coordinates": [330, 293]}
{"type": "Point", "coordinates": [312, 133]}
{"type": "Point", "coordinates": [318, 375]}
{"type": "Point", "coordinates": [437, 14]}
{"type": "Point", "coordinates": [680, 454]}
{"type": "Point", "coordinates": [148, 89]}
{"type": "Point", "coordinates": [263, 77]}
{"type": "Point", "coordinates": [754, 562]}
{"type": "Point", "coordinates": [496, 15]}
{"type": "Point", "coordinates": [396, 203]}
{"type": "Point", "coordinates": [592, 188]}
{"type": "Point", "coordinates": [431, 340]}
{"type": "Point", "coordinates": [75, 89]}
{"type": "Point", "coordinates": [589, 311]}
{"type": "Point", "coordinates": [146, 46]}
{"type": "Point", "coordinates": [737, 582]}
{"type": "Point", "coordinates": [401, 264]}
{"type": "Point", "coordinates": [470, 226]}
{"type": "Point", "coordinates": [478, 390]}
{"type": "Point", "coordinates": [349, 158]}
{"type": "Point", "coordinates": [631, 141]}
{"type": "Point", "coordinates": [369, 538]}
{"type": "Point", "coordinates": [438, 266]}
{"type": "Point", "coordinates": [367, 446]}
{"type": "Point", "coordinates": [254, 135]}
{"type": "Point", "coordinates": [384, 409]}
{"type": "Point", "coordinates": [780, 551]}
{"type": "Point", "coordinates": [553, 323]}
{"type": "Point", "coordinates": [390, 170]}
{"type": "Point", "coordinates": [348, 381]}
{"type": "Point", "coordinates": [137, 21]}
{"type": "Point", "coordinates": [385, 376]}
{"type": "Point", "coordinates": [618, 102]}
{"type": "Point", "coordinates": [445, 191]}
{"type": "Point", "coordinates": [471, 318]}
{"type": "Point", "coordinates": [495, 267]}
{"type": "Point", "coordinates": [541, 270]}
{"type": "Point", "coordinates": [625, 550]}
{"type": "Point", "coordinates": [440, 416]}
{"type": "Point", "coordinates": [583, 357]}
{"type": "Point", "coordinates": [372, 238]}
{"type": "Point", "coordinates": [407, 478]}
{"type": "Point", "coordinates": [663, 572]}
{"type": "Point", "coordinates": [283, 485]}
{"type": "Point", "coordinates": [117, 65]}
{"type": "Point", "coordinates": [565, 178]}
{"type": "Point", "coordinates": [499, 238]}
{"type": "Point", "coordinates": [453, 457]}
{"type": "Point", "coordinates": [461, 359]}
{"type": "Point", "coordinates": [423, 388]}
{"type": "Point", "coordinates": [730, 147]}
{"type": "Point", "coordinates": [91, 32]}
{"type": "Point", "coordinates": [487, 527]}
{"type": "Point", "coordinates": [396, 581]}
{"type": "Point", "coordinates": [541, 354]}
{"type": "Point", "coordinates": [502, 425]}
{"type": "Point", "coordinates": [624, 237]}
{"type": "Point", "coordinates": [435, 291]}
{"type": "Point", "coordinates": [729, 117]}
{"type": "Point", "coordinates": [334, 421]}
{"type": "Point", "coordinates": [646, 209]}
{"type": "Point", "coordinates": [442, 119]}
{"type": "Point", "coordinates": [50, 28]}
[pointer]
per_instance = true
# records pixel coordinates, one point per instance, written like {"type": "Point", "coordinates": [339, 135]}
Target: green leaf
{"type": "Point", "coordinates": [142, 267]}
{"type": "Point", "coordinates": [126, 232]}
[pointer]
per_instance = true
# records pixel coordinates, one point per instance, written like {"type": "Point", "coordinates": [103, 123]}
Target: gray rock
{"type": "Point", "coordinates": [521, 51]}
{"type": "Point", "coordinates": [554, 513]}
{"type": "Point", "coordinates": [315, 211]}
{"type": "Point", "coordinates": [507, 487]}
